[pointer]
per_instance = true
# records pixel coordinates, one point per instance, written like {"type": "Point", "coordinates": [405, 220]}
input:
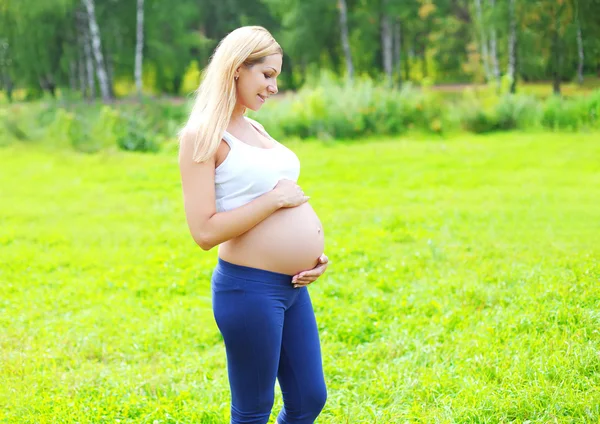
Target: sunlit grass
{"type": "Point", "coordinates": [463, 284]}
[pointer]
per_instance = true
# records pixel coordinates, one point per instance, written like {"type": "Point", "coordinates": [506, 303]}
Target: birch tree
{"type": "Point", "coordinates": [483, 41]}
{"type": "Point", "coordinates": [87, 78]}
{"type": "Point", "coordinates": [96, 43]}
{"type": "Point", "coordinates": [139, 46]}
{"type": "Point", "coordinates": [493, 49]}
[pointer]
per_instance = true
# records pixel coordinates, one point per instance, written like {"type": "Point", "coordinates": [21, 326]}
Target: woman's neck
{"type": "Point", "coordinates": [237, 116]}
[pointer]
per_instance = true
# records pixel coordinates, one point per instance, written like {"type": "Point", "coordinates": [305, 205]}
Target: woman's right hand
{"type": "Point", "coordinates": [289, 194]}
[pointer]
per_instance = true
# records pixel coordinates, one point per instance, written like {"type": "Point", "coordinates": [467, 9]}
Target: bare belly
{"type": "Point", "coordinates": [289, 241]}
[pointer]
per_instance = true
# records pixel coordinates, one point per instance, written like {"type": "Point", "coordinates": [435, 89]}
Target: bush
{"type": "Point", "coordinates": [327, 108]}
{"type": "Point", "coordinates": [132, 133]}
{"type": "Point", "coordinates": [479, 121]}
{"type": "Point", "coordinates": [516, 112]}
{"type": "Point", "coordinates": [342, 109]}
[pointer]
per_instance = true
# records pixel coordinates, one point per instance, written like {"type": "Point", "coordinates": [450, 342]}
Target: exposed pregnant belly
{"type": "Point", "coordinates": [288, 241]}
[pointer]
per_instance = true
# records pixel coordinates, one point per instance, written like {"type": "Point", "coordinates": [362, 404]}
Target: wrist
{"type": "Point", "coordinates": [276, 199]}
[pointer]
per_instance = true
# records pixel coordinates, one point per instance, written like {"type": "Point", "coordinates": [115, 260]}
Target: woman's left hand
{"type": "Point", "coordinates": [304, 278]}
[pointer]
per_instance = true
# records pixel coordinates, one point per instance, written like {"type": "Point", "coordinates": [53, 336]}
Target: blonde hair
{"type": "Point", "coordinates": [215, 98]}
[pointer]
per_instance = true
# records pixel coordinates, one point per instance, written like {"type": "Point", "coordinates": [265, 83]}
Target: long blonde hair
{"type": "Point", "coordinates": [215, 98]}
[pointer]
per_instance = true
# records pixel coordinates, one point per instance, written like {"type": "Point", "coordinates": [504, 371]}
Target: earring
{"type": "Point", "coordinates": [235, 78]}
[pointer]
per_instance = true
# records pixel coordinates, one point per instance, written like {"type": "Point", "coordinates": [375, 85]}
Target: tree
{"type": "Point", "coordinates": [97, 50]}
{"type": "Point", "coordinates": [139, 46]}
{"type": "Point", "coordinates": [512, 46]}
{"type": "Point", "coordinates": [344, 37]}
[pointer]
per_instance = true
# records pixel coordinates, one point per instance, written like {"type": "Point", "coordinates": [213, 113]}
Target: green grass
{"type": "Point", "coordinates": [463, 284]}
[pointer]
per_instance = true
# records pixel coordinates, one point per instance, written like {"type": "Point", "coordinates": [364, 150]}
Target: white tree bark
{"type": "Point", "coordinates": [139, 46]}
{"type": "Point", "coordinates": [86, 64]}
{"type": "Point", "coordinates": [97, 50]}
{"type": "Point", "coordinates": [386, 41]}
{"type": "Point", "coordinates": [483, 42]}
{"type": "Point", "coordinates": [493, 49]}
{"type": "Point", "coordinates": [345, 39]}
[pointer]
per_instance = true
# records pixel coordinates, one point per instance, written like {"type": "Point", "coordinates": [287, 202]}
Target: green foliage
{"type": "Point", "coordinates": [339, 108]}
{"type": "Point", "coordinates": [333, 108]}
{"type": "Point", "coordinates": [489, 112]}
{"type": "Point", "coordinates": [92, 132]}
{"type": "Point", "coordinates": [327, 108]}
{"type": "Point", "coordinates": [40, 42]}
{"type": "Point", "coordinates": [132, 129]}
{"type": "Point", "coordinates": [13, 124]}
{"type": "Point", "coordinates": [132, 134]}
{"type": "Point", "coordinates": [86, 128]}
{"type": "Point", "coordinates": [572, 114]}
{"type": "Point", "coordinates": [479, 121]}
{"type": "Point", "coordinates": [517, 112]}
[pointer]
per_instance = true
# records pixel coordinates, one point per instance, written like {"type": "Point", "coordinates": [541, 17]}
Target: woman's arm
{"type": "Point", "coordinates": [207, 227]}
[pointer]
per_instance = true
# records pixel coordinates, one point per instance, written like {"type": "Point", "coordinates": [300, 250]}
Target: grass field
{"type": "Point", "coordinates": [463, 286]}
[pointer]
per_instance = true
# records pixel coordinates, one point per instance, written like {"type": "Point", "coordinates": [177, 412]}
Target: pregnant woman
{"type": "Point", "coordinates": [240, 193]}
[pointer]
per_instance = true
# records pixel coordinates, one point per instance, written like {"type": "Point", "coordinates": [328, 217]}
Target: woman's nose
{"type": "Point", "coordinates": [272, 89]}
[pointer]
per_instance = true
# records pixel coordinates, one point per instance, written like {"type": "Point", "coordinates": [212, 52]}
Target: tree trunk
{"type": "Point", "coordinates": [89, 62]}
{"type": "Point", "coordinates": [410, 54]}
{"type": "Point", "coordinates": [5, 80]}
{"type": "Point", "coordinates": [493, 50]}
{"type": "Point", "coordinates": [110, 72]}
{"type": "Point", "coordinates": [139, 47]}
{"type": "Point", "coordinates": [97, 50]}
{"type": "Point", "coordinates": [483, 42]}
{"type": "Point", "coordinates": [177, 82]}
{"type": "Point", "coordinates": [6, 83]}
{"type": "Point", "coordinates": [386, 42]}
{"type": "Point", "coordinates": [424, 59]}
{"type": "Point", "coordinates": [344, 36]}
{"type": "Point", "coordinates": [556, 56]}
{"type": "Point", "coordinates": [47, 83]}
{"type": "Point", "coordinates": [81, 72]}
{"type": "Point", "coordinates": [397, 50]}
{"type": "Point", "coordinates": [84, 57]}
{"type": "Point", "coordinates": [8, 87]}
{"type": "Point", "coordinates": [512, 46]}
{"type": "Point", "coordinates": [579, 49]}
{"type": "Point", "coordinates": [73, 75]}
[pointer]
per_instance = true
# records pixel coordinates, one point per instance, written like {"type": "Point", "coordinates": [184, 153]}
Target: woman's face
{"type": "Point", "coordinates": [257, 83]}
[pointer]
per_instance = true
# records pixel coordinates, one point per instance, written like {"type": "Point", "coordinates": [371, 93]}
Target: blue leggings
{"type": "Point", "coordinates": [269, 330]}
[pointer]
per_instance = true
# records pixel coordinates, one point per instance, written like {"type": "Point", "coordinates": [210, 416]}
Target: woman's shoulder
{"type": "Point", "coordinates": [255, 122]}
{"type": "Point", "coordinates": [187, 136]}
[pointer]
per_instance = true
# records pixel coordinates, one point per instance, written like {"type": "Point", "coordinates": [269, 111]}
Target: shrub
{"type": "Point", "coordinates": [132, 134]}
{"type": "Point", "coordinates": [328, 107]}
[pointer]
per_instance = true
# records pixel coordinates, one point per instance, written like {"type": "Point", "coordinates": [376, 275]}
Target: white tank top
{"type": "Point", "coordinates": [249, 172]}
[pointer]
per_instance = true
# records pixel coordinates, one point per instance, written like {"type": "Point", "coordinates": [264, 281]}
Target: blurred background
{"type": "Point", "coordinates": [356, 55]}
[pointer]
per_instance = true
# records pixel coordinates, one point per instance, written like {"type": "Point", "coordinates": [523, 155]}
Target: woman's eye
{"type": "Point", "coordinates": [267, 76]}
